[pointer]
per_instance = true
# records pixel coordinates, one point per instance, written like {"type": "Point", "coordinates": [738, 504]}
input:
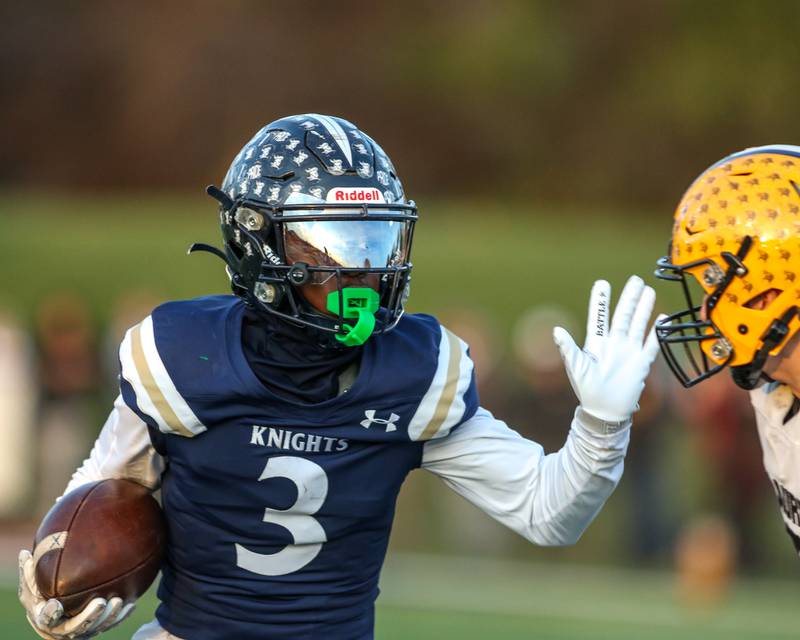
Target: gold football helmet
{"type": "Point", "coordinates": [736, 243]}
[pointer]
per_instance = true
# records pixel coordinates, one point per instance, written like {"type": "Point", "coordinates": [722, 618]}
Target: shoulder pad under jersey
{"type": "Point", "coordinates": [451, 397]}
{"type": "Point", "coordinates": [160, 369]}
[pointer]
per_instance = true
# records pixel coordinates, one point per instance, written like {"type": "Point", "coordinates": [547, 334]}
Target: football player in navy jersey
{"type": "Point", "coordinates": [280, 422]}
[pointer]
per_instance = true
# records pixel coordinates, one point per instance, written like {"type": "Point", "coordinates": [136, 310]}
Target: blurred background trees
{"type": "Point", "coordinates": [570, 101]}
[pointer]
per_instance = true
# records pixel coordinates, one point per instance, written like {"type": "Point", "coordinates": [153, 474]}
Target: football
{"type": "Point", "coordinates": [104, 539]}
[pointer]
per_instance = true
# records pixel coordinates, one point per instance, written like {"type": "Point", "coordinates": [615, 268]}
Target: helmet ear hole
{"type": "Point", "coordinates": [763, 300]}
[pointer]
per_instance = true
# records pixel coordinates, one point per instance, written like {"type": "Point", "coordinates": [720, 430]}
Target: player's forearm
{"type": "Point", "coordinates": [122, 450]}
{"type": "Point", "coordinates": [548, 499]}
{"type": "Point", "coordinates": [574, 483]}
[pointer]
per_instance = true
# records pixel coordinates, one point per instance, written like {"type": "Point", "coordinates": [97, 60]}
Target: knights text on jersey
{"type": "Point", "coordinates": [780, 443]}
{"type": "Point", "coordinates": [279, 512]}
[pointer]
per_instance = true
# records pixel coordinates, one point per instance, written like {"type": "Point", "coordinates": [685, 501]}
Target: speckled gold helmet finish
{"type": "Point", "coordinates": [736, 234]}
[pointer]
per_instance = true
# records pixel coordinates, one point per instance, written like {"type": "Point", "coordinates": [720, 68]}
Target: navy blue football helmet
{"type": "Point", "coordinates": [316, 228]}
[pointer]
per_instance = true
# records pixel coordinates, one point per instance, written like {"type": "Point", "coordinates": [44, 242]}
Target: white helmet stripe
{"type": "Point", "coordinates": [337, 133]}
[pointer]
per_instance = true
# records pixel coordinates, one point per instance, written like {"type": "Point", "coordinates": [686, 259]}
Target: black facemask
{"type": "Point", "coordinates": [681, 334]}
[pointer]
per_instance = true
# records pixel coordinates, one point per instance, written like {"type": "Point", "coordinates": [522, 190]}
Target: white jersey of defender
{"type": "Point", "coordinates": [780, 444]}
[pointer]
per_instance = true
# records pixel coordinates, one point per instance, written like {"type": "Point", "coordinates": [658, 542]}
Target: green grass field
{"type": "Point", "coordinates": [437, 598]}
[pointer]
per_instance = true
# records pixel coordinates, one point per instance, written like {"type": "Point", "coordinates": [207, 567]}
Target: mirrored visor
{"type": "Point", "coordinates": [347, 243]}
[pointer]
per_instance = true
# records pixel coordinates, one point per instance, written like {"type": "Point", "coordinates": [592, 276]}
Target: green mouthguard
{"type": "Point", "coordinates": [361, 303]}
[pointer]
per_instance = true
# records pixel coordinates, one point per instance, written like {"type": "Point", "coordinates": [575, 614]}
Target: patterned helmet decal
{"type": "Point", "coordinates": [309, 154]}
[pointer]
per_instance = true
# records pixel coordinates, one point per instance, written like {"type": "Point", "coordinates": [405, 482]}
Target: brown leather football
{"type": "Point", "coordinates": [104, 539]}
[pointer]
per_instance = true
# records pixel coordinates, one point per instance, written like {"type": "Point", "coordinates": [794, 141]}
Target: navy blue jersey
{"type": "Point", "coordinates": [279, 512]}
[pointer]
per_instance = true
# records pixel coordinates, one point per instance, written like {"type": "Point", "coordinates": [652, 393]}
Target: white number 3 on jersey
{"type": "Point", "coordinates": [308, 534]}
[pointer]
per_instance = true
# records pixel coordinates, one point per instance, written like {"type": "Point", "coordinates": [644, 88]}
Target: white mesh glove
{"type": "Point", "coordinates": [47, 616]}
{"type": "Point", "coordinates": [608, 374]}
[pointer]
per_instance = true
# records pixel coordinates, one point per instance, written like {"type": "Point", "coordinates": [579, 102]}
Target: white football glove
{"type": "Point", "coordinates": [47, 616]}
{"type": "Point", "coordinates": [608, 374]}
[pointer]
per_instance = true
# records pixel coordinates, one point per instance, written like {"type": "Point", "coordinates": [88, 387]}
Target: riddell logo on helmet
{"type": "Point", "coordinates": [355, 194]}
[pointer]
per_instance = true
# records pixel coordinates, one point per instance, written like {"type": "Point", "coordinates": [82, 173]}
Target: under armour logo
{"type": "Point", "coordinates": [371, 419]}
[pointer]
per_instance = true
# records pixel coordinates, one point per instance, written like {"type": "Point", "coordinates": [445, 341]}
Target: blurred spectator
{"type": "Point", "coordinates": [539, 401]}
{"type": "Point", "coordinates": [705, 559]}
{"type": "Point", "coordinates": [646, 482]}
{"type": "Point", "coordinates": [475, 328]}
{"type": "Point", "coordinates": [722, 422]}
{"type": "Point", "coordinates": [476, 532]}
{"type": "Point", "coordinates": [68, 372]}
{"type": "Point", "coordinates": [17, 407]}
{"type": "Point", "coordinates": [66, 344]}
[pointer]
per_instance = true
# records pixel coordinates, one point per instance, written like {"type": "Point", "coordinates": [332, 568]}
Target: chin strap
{"type": "Point", "coordinates": [357, 302]}
{"type": "Point", "coordinates": [747, 376]}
